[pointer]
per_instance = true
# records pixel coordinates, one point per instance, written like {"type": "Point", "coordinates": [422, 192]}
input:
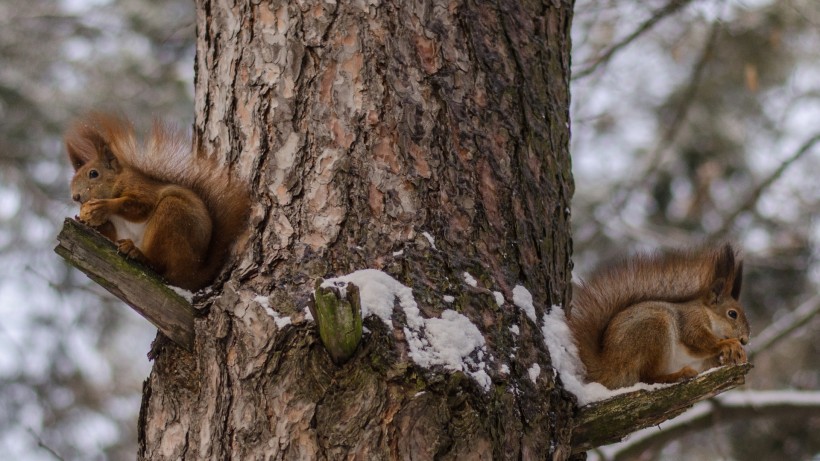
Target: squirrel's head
{"type": "Point", "coordinates": [95, 178]}
{"type": "Point", "coordinates": [728, 317]}
{"type": "Point", "coordinates": [92, 151]}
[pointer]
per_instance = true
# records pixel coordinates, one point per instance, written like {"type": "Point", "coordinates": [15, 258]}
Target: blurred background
{"type": "Point", "coordinates": [696, 120]}
{"type": "Point", "coordinates": [72, 360]}
{"type": "Point", "coordinates": [691, 120]}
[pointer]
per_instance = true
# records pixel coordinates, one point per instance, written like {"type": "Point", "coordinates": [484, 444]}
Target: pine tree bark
{"type": "Point", "coordinates": [363, 128]}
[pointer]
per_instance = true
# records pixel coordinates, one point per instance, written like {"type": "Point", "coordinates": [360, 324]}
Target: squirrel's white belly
{"type": "Point", "coordinates": [679, 357]}
{"type": "Point", "coordinates": [129, 230]}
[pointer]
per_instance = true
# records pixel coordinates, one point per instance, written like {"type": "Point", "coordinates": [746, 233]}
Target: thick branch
{"type": "Point", "coordinates": [613, 419]}
{"type": "Point", "coordinates": [134, 284]}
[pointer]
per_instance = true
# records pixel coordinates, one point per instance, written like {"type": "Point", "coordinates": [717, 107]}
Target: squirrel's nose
{"type": "Point", "coordinates": [744, 340]}
{"type": "Point", "coordinates": [76, 197]}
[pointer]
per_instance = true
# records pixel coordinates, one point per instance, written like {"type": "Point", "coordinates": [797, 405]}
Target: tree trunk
{"type": "Point", "coordinates": [423, 139]}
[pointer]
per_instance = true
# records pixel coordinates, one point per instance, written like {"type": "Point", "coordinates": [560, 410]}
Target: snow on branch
{"type": "Point", "coordinates": [613, 419]}
{"type": "Point", "coordinates": [606, 415]}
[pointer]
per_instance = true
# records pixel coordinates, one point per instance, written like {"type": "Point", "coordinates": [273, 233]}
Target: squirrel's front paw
{"type": "Point", "coordinates": [94, 212]}
{"type": "Point", "coordinates": [127, 248]}
{"type": "Point", "coordinates": [731, 352]}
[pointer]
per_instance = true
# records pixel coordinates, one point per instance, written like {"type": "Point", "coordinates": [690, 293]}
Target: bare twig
{"type": "Point", "coordinates": [785, 325]}
{"type": "Point", "coordinates": [754, 196]}
{"type": "Point", "coordinates": [672, 7]}
{"type": "Point", "coordinates": [656, 156]}
{"type": "Point", "coordinates": [43, 445]}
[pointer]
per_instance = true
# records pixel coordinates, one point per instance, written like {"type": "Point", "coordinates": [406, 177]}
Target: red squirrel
{"type": "Point", "coordinates": [172, 209]}
{"type": "Point", "coordinates": [660, 318]}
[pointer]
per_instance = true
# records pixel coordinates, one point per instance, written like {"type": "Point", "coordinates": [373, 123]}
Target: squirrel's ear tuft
{"type": "Point", "coordinates": [737, 281]}
{"type": "Point", "coordinates": [80, 146]}
{"type": "Point", "coordinates": [717, 291]}
{"type": "Point", "coordinates": [74, 156]}
{"type": "Point", "coordinates": [108, 156]}
{"type": "Point", "coordinates": [725, 262]}
{"type": "Point", "coordinates": [724, 273]}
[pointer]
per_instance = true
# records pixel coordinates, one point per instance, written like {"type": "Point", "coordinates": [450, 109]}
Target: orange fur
{"type": "Point", "coordinates": [173, 209]}
{"type": "Point", "coordinates": [661, 317]}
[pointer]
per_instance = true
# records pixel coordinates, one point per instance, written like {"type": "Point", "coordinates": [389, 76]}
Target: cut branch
{"type": "Point", "coordinates": [611, 420]}
{"type": "Point", "coordinates": [134, 284]}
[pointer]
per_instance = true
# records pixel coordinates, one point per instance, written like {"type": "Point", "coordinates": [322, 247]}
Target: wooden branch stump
{"type": "Point", "coordinates": [339, 319]}
{"type": "Point", "coordinates": [609, 421]}
{"type": "Point", "coordinates": [133, 283]}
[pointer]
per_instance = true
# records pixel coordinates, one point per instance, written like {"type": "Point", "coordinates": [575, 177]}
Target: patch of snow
{"type": "Point", "coordinates": [189, 296]}
{"type": "Point", "coordinates": [534, 371]}
{"type": "Point", "coordinates": [281, 320]}
{"type": "Point", "coordinates": [449, 299]}
{"type": "Point", "coordinates": [470, 280]}
{"type": "Point", "coordinates": [565, 360]}
{"type": "Point", "coordinates": [505, 369]}
{"type": "Point", "coordinates": [514, 329]}
{"type": "Point", "coordinates": [430, 239]}
{"type": "Point", "coordinates": [262, 301]}
{"type": "Point", "coordinates": [523, 299]}
{"type": "Point", "coordinates": [308, 314]}
{"type": "Point", "coordinates": [452, 341]}
{"type": "Point", "coordinates": [499, 298]}
{"type": "Point", "coordinates": [398, 253]}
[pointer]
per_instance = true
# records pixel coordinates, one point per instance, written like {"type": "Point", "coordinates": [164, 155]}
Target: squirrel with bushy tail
{"type": "Point", "coordinates": [162, 203]}
{"type": "Point", "coordinates": [661, 317]}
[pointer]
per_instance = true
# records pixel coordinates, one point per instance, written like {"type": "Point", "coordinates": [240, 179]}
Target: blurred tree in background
{"type": "Point", "coordinates": [71, 366]}
{"type": "Point", "coordinates": [691, 120]}
{"type": "Point", "coordinates": [697, 120]}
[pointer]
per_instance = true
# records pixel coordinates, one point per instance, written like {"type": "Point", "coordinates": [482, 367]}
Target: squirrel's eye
{"type": "Point", "coordinates": [732, 314]}
{"type": "Point", "coordinates": [93, 174]}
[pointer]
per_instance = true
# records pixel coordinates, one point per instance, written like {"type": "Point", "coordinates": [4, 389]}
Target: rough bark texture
{"type": "Point", "coordinates": [361, 126]}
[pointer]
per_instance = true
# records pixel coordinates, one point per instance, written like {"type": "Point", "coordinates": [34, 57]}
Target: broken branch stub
{"type": "Point", "coordinates": [338, 314]}
{"type": "Point", "coordinates": [133, 283]}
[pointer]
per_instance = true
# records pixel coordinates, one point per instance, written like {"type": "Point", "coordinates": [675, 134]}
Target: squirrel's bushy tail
{"type": "Point", "coordinates": [669, 276]}
{"type": "Point", "coordinates": [225, 195]}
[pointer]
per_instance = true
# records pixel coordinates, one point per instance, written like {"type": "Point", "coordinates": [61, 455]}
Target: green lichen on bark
{"type": "Point", "coordinates": [339, 318]}
{"type": "Point", "coordinates": [133, 283]}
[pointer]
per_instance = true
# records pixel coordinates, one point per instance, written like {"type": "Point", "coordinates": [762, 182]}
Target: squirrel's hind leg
{"type": "Point", "coordinates": [177, 238]}
{"type": "Point", "coordinates": [680, 375]}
